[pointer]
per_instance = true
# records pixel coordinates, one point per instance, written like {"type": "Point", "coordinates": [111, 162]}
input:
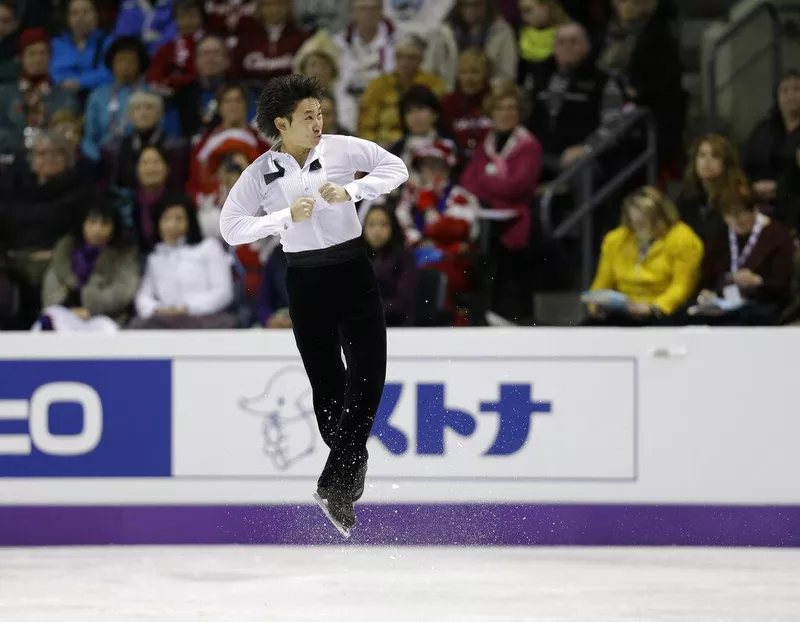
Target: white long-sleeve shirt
{"type": "Point", "coordinates": [197, 277]}
{"type": "Point", "coordinates": [259, 203]}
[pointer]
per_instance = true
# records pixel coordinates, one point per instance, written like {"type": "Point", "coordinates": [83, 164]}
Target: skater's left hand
{"type": "Point", "coordinates": [333, 193]}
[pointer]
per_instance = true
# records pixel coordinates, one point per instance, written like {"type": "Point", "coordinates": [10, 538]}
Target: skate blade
{"type": "Point", "coordinates": [324, 507]}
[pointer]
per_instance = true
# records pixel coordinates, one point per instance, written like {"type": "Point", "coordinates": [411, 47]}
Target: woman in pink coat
{"type": "Point", "coordinates": [504, 175]}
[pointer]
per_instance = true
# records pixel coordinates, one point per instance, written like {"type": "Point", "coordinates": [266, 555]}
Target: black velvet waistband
{"type": "Point", "coordinates": [332, 255]}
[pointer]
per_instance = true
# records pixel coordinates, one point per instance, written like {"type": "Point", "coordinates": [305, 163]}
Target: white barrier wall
{"type": "Point", "coordinates": [490, 416]}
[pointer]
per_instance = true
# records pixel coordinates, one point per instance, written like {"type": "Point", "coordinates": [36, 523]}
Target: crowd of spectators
{"type": "Point", "coordinates": [124, 125]}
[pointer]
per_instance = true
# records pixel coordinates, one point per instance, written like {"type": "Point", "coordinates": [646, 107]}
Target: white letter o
{"type": "Point", "coordinates": [62, 445]}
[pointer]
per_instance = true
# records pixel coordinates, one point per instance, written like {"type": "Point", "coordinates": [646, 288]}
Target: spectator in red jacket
{"type": "Point", "coordinates": [463, 114]}
{"type": "Point", "coordinates": [196, 102]}
{"type": "Point", "coordinates": [231, 132]}
{"type": "Point", "coordinates": [504, 175]}
{"type": "Point", "coordinates": [223, 16]}
{"type": "Point", "coordinates": [267, 43]}
{"type": "Point", "coordinates": [173, 65]}
{"type": "Point", "coordinates": [437, 215]}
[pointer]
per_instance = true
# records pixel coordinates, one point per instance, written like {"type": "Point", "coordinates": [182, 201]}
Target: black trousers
{"type": "Point", "coordinates": [337, 308]}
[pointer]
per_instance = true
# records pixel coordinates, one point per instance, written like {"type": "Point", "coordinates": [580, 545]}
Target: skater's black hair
{"type": "Point", "coordinates": [280, 97]}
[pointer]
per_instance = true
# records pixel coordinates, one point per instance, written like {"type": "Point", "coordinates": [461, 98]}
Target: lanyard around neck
{"type": "Point", "coordinates": [737, 261]}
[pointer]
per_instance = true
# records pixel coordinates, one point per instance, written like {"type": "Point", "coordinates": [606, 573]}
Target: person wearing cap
{"type": "Point", "coordinates": [106, 119]}
{"type": "Point", "coordinates": [77, 63]}
{"type": "Point", "coordinates": [379, 119]}
{"type": "Point", "coordinates": [27, 104]}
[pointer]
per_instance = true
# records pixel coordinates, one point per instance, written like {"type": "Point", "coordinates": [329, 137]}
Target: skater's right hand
{"type": "Point", "coordinates": [302, 208]}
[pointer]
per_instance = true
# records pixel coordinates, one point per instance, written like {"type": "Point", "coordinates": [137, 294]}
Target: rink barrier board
{"type": "Point", "coordinates": [406, 525]}
{"type": "Point", "coordinates": [496, 436]}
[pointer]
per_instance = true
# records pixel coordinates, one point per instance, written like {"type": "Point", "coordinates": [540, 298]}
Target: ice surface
{"type": "Point", "coordinates": [351, 584]}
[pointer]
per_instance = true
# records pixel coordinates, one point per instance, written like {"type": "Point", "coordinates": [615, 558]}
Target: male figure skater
{"type": "Point", "coordinates": [304, 189]}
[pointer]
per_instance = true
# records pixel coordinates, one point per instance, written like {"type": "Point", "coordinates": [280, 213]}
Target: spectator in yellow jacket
{"type": "Point", "coordinates": [649, 265]}
{"type": "Point", "coordinates": [379, 118]}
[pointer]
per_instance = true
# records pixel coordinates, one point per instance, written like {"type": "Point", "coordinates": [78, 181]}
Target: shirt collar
{"type": "Point", "coordinates": [314, 154]}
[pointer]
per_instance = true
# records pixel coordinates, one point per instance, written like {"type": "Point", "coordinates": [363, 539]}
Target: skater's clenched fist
{"type": "Point", "coordinates": [333, 193]}
{"type": "Point", "coordinates": [302, 208]}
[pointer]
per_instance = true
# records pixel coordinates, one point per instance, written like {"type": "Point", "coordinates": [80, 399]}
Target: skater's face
{"type": "Point", "coordinates": [377, 229]}
{"type": "Point", "coordinates": [708, 163]}
{"type": "Point", "coordinates": [305, 129]}
{"type": "Point", "coordinates": [173, 224]}
{"type": "Point", "coordinates": [97, 231]}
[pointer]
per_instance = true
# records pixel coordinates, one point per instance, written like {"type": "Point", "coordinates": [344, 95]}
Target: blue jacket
{"type": "Point", "coordinates": [154, 25]}
{"type": "Point", "coordinates": [87, 66]}
{"type": "Point", "coordinates": [106, 116]}
{"type": "Point", "coordinates": [107, 119]}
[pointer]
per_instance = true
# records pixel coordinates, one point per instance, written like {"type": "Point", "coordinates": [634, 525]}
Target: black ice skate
{"type": "Point", "coordinates": [361, 476]}
{"type": "Point", "coordinates": [338, 508]}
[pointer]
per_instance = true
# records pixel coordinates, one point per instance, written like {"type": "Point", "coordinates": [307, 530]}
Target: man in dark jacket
{"type": "Point", "coordinates": [36, 212]}
{"type": "Point", "coordinates": [575, 105]}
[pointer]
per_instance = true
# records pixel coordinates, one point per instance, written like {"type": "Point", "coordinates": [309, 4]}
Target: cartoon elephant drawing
{"type": "Point", "coordinates": [287, 410]}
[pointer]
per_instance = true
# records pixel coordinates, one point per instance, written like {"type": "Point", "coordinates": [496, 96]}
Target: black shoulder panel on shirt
{"type": "Point", "coordinates": [315, 165]}
{"type": "Point", "coordinates": [270, 177]}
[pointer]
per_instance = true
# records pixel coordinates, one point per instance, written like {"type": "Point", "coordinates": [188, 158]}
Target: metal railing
{"type": "Point", "coordinates": [580, 178]}
{"type": "Point", "coordinates": [775, 46]}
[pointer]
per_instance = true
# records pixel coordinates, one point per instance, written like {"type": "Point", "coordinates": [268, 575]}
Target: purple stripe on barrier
{"type": "Point", "coordinates": [476, 525]}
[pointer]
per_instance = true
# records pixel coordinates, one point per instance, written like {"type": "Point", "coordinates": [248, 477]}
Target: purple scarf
{"type": "Point", "coordinates": [147, 199]}
{"type": "Point", "coordinates": [84, 259]}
